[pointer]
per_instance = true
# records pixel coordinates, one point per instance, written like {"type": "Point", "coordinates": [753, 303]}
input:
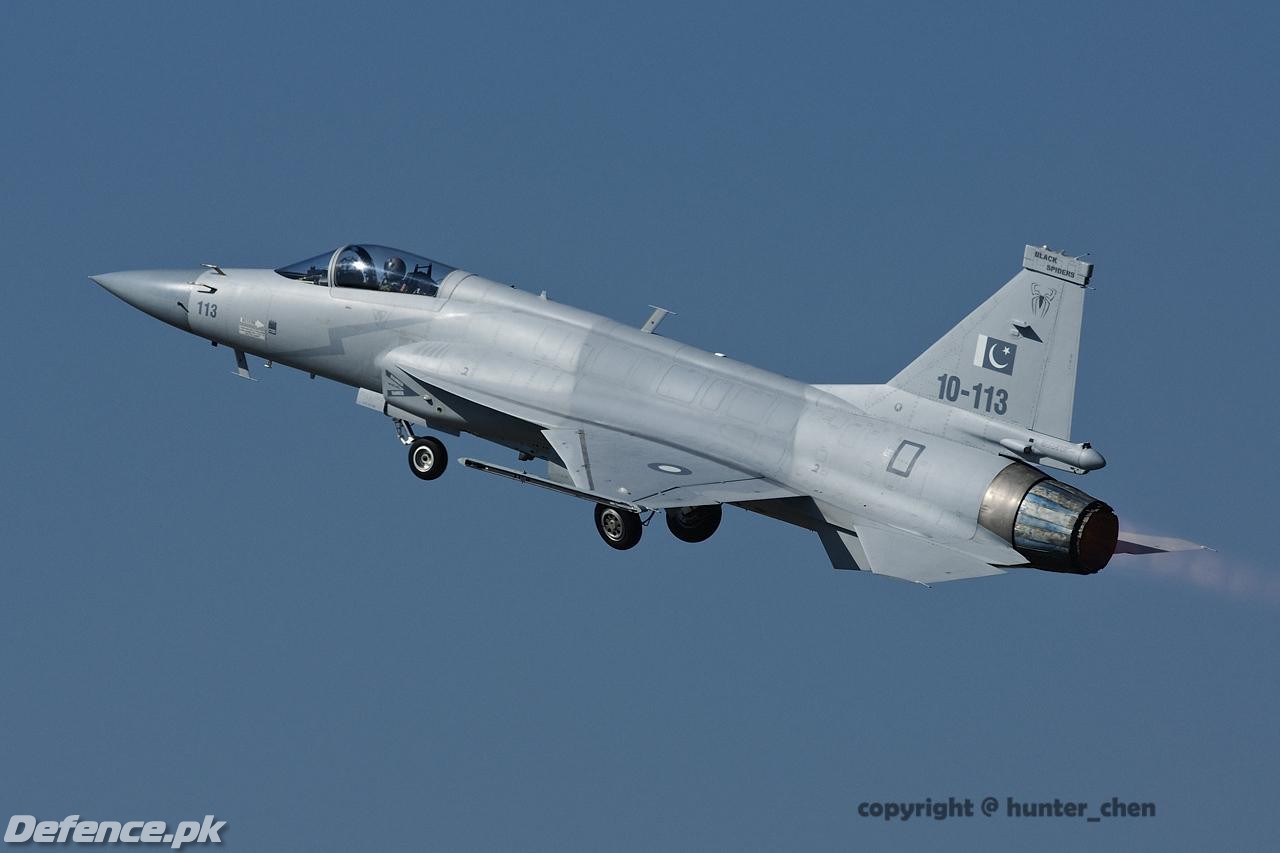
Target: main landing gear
{"type": "Point", "coordinates": [694, 523]}
{"type": "Point", "coordinates": [621, 528]}
{"type": "Point", "coordinates": [427, 455]}
{"type": "Point", "coordinates": [618, 525]}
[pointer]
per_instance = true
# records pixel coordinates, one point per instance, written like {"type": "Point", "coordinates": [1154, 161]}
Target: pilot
{"type": "Point", "coordinates": [393, 275]}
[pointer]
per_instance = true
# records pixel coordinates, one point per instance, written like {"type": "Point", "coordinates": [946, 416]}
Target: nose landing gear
{"type": "Point", "coordinates": [427, 455]}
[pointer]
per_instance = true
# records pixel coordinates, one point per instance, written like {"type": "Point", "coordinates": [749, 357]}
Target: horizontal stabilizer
{"type": "Point", "coordinates": [1140, 543]}
{"type": "Point", "coordinates": [909, 556]}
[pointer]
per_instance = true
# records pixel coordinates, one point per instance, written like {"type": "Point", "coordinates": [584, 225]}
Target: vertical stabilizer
{"type": "Point", "coordinates": [1014, 358]}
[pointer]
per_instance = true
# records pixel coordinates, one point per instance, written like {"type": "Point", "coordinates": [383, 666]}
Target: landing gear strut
{"type": "Point", "coordinates": [427, 455]}
{"type": "Point", "coordinates": [619, 528]}
{"type": "Point", "coordinates": [694, 523]}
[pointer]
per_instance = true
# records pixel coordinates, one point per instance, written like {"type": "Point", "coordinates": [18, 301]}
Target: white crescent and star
{"type": "Point", "coordinates": [991, 356]}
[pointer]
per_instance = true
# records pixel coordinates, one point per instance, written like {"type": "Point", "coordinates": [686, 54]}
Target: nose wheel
{"type": "Point", "coordinates": [619, 528]}
{"type": "Point", "coordinates": [427, 456]}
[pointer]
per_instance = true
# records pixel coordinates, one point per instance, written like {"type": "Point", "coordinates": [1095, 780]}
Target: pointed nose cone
{"type": "Point", "coordinates": [115, 283]}
{"type": "Point", "coordinates": [160, 293]}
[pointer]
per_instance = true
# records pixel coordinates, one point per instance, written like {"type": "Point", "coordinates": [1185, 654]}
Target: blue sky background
{"type": "Point", "coordinates": [231, 598]}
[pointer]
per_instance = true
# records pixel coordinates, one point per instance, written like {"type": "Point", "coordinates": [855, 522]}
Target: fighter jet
{"type": "Point", "coordinates": [935, 475]}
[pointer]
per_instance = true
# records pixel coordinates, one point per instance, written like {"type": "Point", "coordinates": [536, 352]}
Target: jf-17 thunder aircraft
{"type": "Point", "coordinates": [930, 477]}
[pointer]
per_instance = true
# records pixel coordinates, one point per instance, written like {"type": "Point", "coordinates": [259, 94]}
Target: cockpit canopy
{"type": "Point", "coordinates": [370, 267]}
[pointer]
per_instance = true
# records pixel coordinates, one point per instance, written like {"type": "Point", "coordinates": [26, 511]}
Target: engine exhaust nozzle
{"type": "Point", "coordinates": [1057, 527]}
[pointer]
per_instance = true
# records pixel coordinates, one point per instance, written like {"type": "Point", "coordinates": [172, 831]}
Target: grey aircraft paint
{"type": "Point", "coordinates": [929, 477]}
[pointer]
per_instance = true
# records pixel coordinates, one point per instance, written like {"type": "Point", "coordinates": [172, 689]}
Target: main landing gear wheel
{"type": "Point", "coordinates": [427, 457]}
{"type": "Point", "coordinates": [619, 528]}
{"type": "Point", "coordinates": [694, 523]}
